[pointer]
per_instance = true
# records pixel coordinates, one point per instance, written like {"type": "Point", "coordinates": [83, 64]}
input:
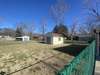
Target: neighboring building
{"type": "Point", "coordinates": [8, 38]}
{"type": "Point", "coordinates": [84, 37]}
{"type": "Point", "coordinates": [97, 31]}
{"type": "Point", "coordinates": [23, 38]}
{"type": "Point", "coordinates": [37, 37]}
{"type": "Point", "coordinates": [54, 38]}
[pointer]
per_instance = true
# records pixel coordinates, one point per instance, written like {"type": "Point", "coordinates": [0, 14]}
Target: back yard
{"type": "Point", "coordinates": [33, 58]}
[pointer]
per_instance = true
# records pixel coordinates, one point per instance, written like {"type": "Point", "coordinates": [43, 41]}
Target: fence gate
{"type": "Point", "coordinates": [83, 64]}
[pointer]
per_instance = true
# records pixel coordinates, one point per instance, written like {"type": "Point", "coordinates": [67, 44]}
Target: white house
{"type": "Point", "coordinates": [23, 38]}
{"type": "Point", "coordinates": [4, 37]}
{"type": "Point", "coordinates": [8, 38]}
{"type": "Point", "coordinates": [54, 38]}
{"type": "Point", "coordinates": [0, 36]}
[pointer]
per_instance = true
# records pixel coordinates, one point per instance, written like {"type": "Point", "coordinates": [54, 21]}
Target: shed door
{"type": "Point", "coordinates": [48, 40]}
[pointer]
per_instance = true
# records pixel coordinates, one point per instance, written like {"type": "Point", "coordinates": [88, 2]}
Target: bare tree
{"type": "Point", "coordinates": [93, 18]}
{"type": "Point", "coordinates": [74, 28]}
{"type": "Point", "coordinates": [31, 29]}
{"type": "Point", "coordinates": [22, 26]}
{"type": "Point", "coordinates": [92, 8]}
{"type": "Point", "coordinates": [7, 32]}
{"type": "Point", "coordinates": [87, 28]}
{"type": "Point", "coordinates": [58, 11]}
{"type": "Point", "coordinates": [43, 26]}
{"type": "Point", "coordinates": [27, 28]}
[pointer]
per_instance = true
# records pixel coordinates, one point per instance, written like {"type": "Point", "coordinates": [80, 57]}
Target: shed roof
{"type": "Point", "coordinates": [54, 34]}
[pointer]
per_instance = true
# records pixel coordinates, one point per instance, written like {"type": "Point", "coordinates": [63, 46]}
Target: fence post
{"type": "Point", "coordinates": [94, 60]}
{"type": "Point", "coordinates": [97, 37]}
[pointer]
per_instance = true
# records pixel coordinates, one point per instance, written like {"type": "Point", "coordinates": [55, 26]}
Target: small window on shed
{"type": "Point", "coordinates": [59, 38]}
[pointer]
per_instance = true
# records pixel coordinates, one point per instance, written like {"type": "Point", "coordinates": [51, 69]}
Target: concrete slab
{"type": "Point", "coordinates": [97, 69]}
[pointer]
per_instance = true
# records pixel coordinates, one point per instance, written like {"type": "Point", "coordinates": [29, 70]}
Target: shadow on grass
{"type": "Point", "coordinates": [72, 50]}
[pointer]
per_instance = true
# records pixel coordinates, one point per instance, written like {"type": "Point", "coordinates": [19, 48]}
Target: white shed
{"type": "Point", "coordinates": [54, 38]}
{"type": "Point", "coordinates": [23, 38]}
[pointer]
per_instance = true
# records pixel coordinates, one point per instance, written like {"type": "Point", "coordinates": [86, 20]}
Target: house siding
{"type": "Point", "coordinates": [58, 40]}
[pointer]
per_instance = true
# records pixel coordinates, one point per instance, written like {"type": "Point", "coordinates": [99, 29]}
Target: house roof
{"type": "Point", "coordinates": [54, 34]}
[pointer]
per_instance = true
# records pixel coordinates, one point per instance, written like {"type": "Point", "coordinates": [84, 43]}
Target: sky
{"type": "Point", "coordinates": [32, 11]}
